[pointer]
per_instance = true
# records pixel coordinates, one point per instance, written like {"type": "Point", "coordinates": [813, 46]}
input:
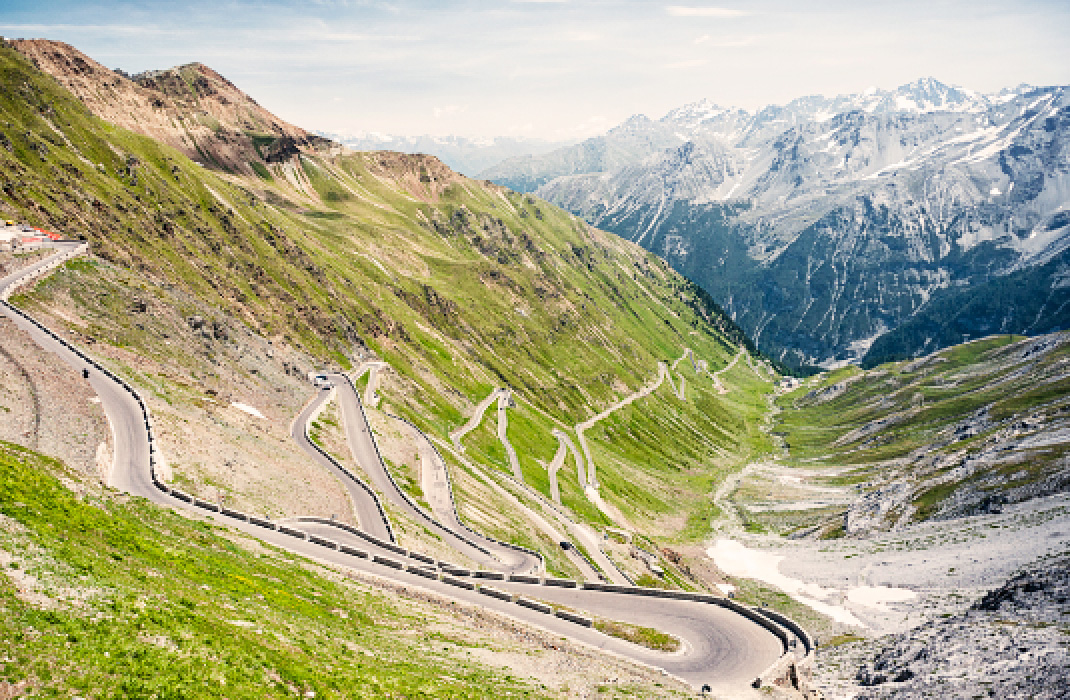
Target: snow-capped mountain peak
{"type": "Point", "coordinates": [693, 114]}
{"type": "Point", "coordinates": [860, 207]}
{"type": "Point", "coordinates": [930, 95]}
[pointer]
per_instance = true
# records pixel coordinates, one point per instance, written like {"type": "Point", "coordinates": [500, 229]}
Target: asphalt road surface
{"type": "Point", "coordinates": [481, 550]}
{"type": "Point", "coordinates": [719, 647]}
{"type": "Point", "coordinates": [367, 509]}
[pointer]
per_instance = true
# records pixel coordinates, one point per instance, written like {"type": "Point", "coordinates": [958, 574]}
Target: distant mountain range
{"type": "Point", "coordinates": [875, 225]}
{"type": "Point", "coordinates": [465, 155]}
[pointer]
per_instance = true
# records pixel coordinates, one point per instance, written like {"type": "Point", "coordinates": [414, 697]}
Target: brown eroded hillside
{"type": "Point", "coordinates": [191, 108]}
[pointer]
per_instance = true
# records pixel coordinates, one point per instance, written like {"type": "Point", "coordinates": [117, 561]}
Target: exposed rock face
{"type": "Point", "coordinates": [1010, 644]}
{"type": "Point", "coordinates": [874, 508]}
{"type": "Point", "coordinates": [825, 224]}
{"type": "Point", "coordinates": [191, 108]}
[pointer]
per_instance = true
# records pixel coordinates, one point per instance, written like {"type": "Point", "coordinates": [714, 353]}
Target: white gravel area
{"type": "Point", "coordinates": [890, 581]}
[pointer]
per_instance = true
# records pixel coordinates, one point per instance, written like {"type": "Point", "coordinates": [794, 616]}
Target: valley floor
{"type": "Point", "coordinates": [911, 608]}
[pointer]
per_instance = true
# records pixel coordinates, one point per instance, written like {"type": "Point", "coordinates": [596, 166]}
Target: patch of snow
{"type": "Point", "coordinates": [906, 104]}
{"type": "Point", "coordinates": [879, 596]}
{"type": "Point", "coordinates": [994, 192]}
{"type": "Point", "coordinates": [837, 613]}
{"type": "Point", "coordinates": [734, 559]}
{"type": "Point", "coordinates": [248, 409]}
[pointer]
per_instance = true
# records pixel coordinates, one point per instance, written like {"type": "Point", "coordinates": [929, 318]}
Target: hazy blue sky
{"type": "Point", "coordinates": [556, 68]}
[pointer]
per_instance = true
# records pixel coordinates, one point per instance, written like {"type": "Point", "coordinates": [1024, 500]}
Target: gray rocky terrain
{"type": "Point", "coordinates": [1014, 642]}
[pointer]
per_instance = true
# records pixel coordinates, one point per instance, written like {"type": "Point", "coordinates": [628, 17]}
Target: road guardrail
{"type": "Point", "coordinates": [781, 626]}
{"type": "Point", "coordinates": [453, 501]}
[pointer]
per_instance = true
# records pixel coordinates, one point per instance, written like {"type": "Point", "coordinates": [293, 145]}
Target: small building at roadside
{"type": "Point", "coordinates": [10, 237]}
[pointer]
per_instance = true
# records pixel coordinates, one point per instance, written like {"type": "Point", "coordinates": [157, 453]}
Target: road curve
{"type": "Point", "coordinates": [474, 420]}
{"type": "Point", "coordinates": [592, 478]}
{"type": "Point", "coordinates": [483, 551]}
{"type": "Point", "coordinates": [369, 512]}
{"type": "Point", "coordinates": [504, 399]}
{"type": "Point", "coordinates": [723, 647]}
{"type": "Point", "coordinates": [556, 463]}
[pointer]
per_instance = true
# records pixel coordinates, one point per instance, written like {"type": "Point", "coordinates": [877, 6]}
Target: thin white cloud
{"type": "Point", "coordinates": [719, 12]}
{"type": "Point", "coordinates": [446, 111]}
{"type": "Point", "coordinates": [702, 39]}
{"type": "Point", "coordinates": [685, 65]}
{"type": "Point", "coordinates": [734, 42]}
{"type": "Point", "coordinates": [345, 37]}
{"type": "Point", "coordinates": [581, 35]}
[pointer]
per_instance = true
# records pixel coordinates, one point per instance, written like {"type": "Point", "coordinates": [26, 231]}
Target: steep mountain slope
{"type": "Point", "coordinates": [1031, 300]}
{"type": "Point", "coordinates": [964, 431]}
{"type": "Point", "coordinates": [461, 286]}
{"type": "Point", "coordinates": [824, 223]}
{"type": "Point", "coordinates": [191, 108]}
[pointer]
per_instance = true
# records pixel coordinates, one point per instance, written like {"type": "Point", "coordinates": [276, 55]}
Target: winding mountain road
{"type": "Point", "coordinates": [504, 399]}
{"type": "Point", "coordinates": [716, 376]}
{"type": "Point", "coordinates": [475, 420]}
{"type": "Point", "coordinates": [564, 444]}
{"type": "Point", "coordinates": [592, 477]}
{"type": "Point", "coordinates": [723, 647]}
{"type": "Point", "coordinates": [365, 505]}
{"type": "Point", "coordinates": [483, 551]}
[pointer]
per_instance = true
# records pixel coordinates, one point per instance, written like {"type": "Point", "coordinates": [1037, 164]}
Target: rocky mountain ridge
{"type": "Point", "coordinates": [191, 108]}
{"type": "Point", "coordinates": [824, 223]}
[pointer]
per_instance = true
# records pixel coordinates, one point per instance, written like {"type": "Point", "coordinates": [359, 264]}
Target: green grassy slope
{"type": "Point", "coordinates": [968, 429]}
{"type": "Point", "coordinates": [460, 285]}
{"type": "Point", "coordinates": [105, 597]}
